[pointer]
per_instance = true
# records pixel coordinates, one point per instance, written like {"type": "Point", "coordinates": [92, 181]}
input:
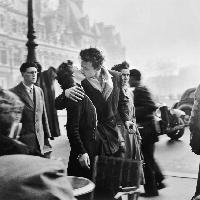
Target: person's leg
{"type": "Point", "coordinates": [197, 192]}
{"type": "Point", "coordinates": [158, 173]}
{"type": "Point", "coordinates": [150, 186]}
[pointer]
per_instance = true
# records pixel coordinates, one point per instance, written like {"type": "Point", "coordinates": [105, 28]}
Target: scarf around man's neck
{"type": "Point", "coordinates": [107, 84]}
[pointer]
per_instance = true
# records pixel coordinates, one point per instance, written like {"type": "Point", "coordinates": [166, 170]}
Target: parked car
{"type": "Point", "coordinates": [186, 102]}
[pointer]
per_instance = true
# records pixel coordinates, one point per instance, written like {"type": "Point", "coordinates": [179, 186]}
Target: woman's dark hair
{"type": "Point", "coordinates": [136, 74]}
{"type": "Point", "coordinates": [119, 67]}
{"type": "Point", "coordinates": [92, 55]}
{"type": "Point", "coordinates": [26, 65]}
{"type": "Point", "coordinates": [64, 75]}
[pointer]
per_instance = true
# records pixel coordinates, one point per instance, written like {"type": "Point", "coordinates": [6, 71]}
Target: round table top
{"type": "Point", "coordinates": [81, 185]}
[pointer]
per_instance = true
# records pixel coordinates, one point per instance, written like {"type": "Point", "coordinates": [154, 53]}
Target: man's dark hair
{"type": "Point", "coordinates": [64, 74]}
{"type": "Point", "coordinates": [136, 74]}
{"type": "Point", "coordinates": [92, 55]}
{"type": "Point", "coordinates": [119, 67]}
{"type": "Point", "coordinates": [26, 65]}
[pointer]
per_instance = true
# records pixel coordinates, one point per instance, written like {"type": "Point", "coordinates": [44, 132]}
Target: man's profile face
{"type": "Point", "coordinates": [87, 69]}
{"type": "Point", "coordinates": [30, 75]}
{"type": "Point", "coordinates": [133, 82]}
{"type": "Point", "coordinates": [125, 74]}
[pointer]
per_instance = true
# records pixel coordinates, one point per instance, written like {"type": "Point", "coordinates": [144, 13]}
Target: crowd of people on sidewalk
{"type": "Point", "coordinates": [109, 113]}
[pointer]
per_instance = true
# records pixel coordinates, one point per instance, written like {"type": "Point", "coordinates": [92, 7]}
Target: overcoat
{"type": "Point", "coordinates": [35, 128]}
{"type": "Point", "coordinates": [81, 132]}
{"type": "Point", "coordinates": [144, 109]}
{"type": "Point", "coordinates": [47, 85]}
{"type": "Point", "coordinates": [107, 111]}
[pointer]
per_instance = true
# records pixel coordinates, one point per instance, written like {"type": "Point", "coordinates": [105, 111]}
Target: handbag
{"type": "Point", "coordinates": [112, 172]}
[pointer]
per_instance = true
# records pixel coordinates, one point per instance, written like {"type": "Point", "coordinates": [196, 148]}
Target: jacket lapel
{"type": "Point", "coordinates": [36, 96]}
{"type": "Point", "coordinates": [25, 96]}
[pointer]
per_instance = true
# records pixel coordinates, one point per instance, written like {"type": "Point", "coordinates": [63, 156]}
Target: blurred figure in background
{"type": "Point", "coordinates": [81, 125]}
{"type": "Point", "coordinates": [47, 79]}
{"type": "Point", "coordinates": [33, 178]}
{"type": "Point", "coordinates": [10, 115]}
{"type": "Point", "coordinates": [132, 143]}
{"type": "Point", "coordinates": [144, 112]}
{"type": "Point", "coordinates": [194, 125]}
{"type": "Point", "coordinates": [35, 129]}
{"type": "Point", "coordinates": [25, 176]}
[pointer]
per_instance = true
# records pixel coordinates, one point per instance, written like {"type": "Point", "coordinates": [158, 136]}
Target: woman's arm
{"type": "Point", "coordinates": [60, 102]}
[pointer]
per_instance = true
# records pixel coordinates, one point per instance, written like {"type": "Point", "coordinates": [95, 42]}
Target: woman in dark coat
{"type": "Point", "coordinates": [81, 125]}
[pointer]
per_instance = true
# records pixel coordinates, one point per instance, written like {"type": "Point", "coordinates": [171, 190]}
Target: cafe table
{"type": "Point", "coordinates": [82, 187]}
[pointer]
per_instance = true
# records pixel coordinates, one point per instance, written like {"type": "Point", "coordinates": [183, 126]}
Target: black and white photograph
{"type": "Point", "coordinates": [99, 99]}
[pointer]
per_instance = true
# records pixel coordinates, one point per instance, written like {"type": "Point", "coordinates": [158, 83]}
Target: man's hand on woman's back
{"type": "Point", "coordinates": [75, 93]}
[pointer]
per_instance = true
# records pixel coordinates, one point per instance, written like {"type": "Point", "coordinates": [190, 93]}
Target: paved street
{"type": "Point", "coordinates": [179, 164]}
{"type": "Point", "coordinates": [176, 157]}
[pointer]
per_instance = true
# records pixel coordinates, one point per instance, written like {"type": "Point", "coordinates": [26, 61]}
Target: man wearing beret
{"type": "Point", "coordinates": [35, 129]}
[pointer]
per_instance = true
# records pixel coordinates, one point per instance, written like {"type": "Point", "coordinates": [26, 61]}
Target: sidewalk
{"type": "Point", "coordinates": [179, 186]}
{"type": "Point", "coordinates": [177, 189]}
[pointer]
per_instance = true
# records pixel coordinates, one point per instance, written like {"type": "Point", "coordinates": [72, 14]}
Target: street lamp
{"type": "Point", "coordinates": [31, 45]}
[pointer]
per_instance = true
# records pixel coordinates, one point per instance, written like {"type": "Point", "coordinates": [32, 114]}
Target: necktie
{"type": "Point", "coordinates": [31, 93]}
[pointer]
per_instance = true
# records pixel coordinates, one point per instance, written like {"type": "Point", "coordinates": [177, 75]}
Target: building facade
{"type": "Point", "coordinates": [62, 29]}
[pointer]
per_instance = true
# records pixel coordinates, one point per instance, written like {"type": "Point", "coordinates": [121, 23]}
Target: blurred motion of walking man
{"type": "Point", "coordinates": [194, 125]}
{"type": "Point", "coordinates": [35, 129]}
{"type": "Point", "coordinates": [144, 109]}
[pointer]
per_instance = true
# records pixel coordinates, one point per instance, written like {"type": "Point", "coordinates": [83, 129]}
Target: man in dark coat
{"type": "Point", "coordinates": [144, 112]}
{"type": "Point", "coordinates": [47, 79]}
{"type": "Point", "coordinates": [35, 129]}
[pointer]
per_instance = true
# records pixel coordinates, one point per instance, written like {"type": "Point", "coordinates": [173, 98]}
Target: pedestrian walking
{"type": "Point", "coordinates": [194, 125]}
{"type": "Point", "coordinates": [35, 129]}
{"type": "Point", "coordinates": [144, 112]}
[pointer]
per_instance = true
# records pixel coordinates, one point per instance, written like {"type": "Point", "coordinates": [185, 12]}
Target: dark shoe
{"type": "Point", "coordinates": [160, 186]}
{"type": "Point", "coordinates": [148, 195]}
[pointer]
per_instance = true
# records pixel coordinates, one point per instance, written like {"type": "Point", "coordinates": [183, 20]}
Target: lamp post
{"type": "Point", "coordinates": [31, 45]}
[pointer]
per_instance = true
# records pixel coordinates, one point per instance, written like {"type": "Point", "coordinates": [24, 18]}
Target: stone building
{"type": "Point", "coordinates": [62, 30]}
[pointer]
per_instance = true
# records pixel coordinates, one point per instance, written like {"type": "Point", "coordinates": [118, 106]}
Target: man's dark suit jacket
{"type": "Point", "coordinates": [144, 112]}
{"type": "Point", "coordinates": [107, 111]}
{"type": "Point", "coordinates": [35, 129]}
